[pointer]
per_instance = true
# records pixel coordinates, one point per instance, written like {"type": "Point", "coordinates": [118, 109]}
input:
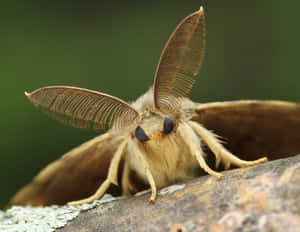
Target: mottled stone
{"type": "Point", "coordinates": [261, 198]}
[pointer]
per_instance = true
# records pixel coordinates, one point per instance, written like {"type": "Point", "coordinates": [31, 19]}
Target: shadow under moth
{"type": "Point", "coordinates": [163, 137]}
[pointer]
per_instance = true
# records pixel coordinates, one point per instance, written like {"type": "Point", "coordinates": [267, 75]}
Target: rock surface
{"type": "Point", "coordinates": [261, 198]}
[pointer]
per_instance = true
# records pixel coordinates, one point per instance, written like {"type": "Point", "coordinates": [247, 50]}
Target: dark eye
{"type": "Point", "coordinates": [168, 125]}
{"type": "Point", "coordinates": [140, 134]}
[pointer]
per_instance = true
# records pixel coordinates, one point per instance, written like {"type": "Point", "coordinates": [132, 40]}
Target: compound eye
{"type": "Point", "coordinates": [140, 134]}
{"type": "Point", "coordinates": [168, 125]}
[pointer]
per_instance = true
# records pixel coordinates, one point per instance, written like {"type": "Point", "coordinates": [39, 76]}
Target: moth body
{"type": "Point", "coordinates": [168, 159]}
{"type": "Point", "coordinates": [167, 154]}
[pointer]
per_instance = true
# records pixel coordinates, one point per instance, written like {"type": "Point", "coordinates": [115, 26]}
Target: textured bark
{"type": "Point", "coordinates": [261, 198]}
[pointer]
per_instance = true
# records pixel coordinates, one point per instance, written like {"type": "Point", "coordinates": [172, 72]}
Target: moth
{"type": "Point", "coordinates": [162, 138]}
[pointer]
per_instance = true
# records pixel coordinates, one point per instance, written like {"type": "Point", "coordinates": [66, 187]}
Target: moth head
{"type": "Point", "coordinates": [154, 127]}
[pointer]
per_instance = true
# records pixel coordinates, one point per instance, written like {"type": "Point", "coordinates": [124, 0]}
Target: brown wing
{"type": "Point", "coordinates": [252, 129]}
{"type": "Point", "coordinates": [76, 175]}
{"type": "Point", "coordinates": [180, 62]}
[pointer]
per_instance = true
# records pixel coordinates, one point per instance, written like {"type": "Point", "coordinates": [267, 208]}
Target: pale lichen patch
{"type": "Point", "coordinates": [171, 189]}
{"type": "Point", "coordinates": [46, 219]}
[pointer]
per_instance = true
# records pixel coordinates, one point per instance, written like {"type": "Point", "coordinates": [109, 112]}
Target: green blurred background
{"type": "Point", "coordinates": [114, 46]}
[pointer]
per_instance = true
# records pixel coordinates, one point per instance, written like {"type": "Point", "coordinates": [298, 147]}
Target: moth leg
{"type": "Point", "coordinates": [126, 183]}
{"type": "Point", "coordinates": [149, 176]}
{"type": "Point", "coordinates": [220, 152]}
{"type": "Point", "coordinates": [152, 185]}
{"type": "Point", "coordinates": [112, 176]}
{"type": "Point", "coordinates": [193, 143]}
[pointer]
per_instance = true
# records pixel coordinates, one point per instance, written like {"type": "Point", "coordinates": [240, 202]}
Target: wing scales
{"type": "Point", "coordinates": [74, 176]}
{"type": "Point", "coordinates": [254, 128]}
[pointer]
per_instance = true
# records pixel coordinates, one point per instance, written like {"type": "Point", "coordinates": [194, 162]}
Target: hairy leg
{"type": "Point", "coordinates": [145, 165]}
{"type": "Point", "coordinates": [127, 187]}
{"type": "Point", "coordinates": [112, 176]}
{"type": "Point", "coordinates": [193, 143]}
{"type": "Point", "coordinates": [220, 152]}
